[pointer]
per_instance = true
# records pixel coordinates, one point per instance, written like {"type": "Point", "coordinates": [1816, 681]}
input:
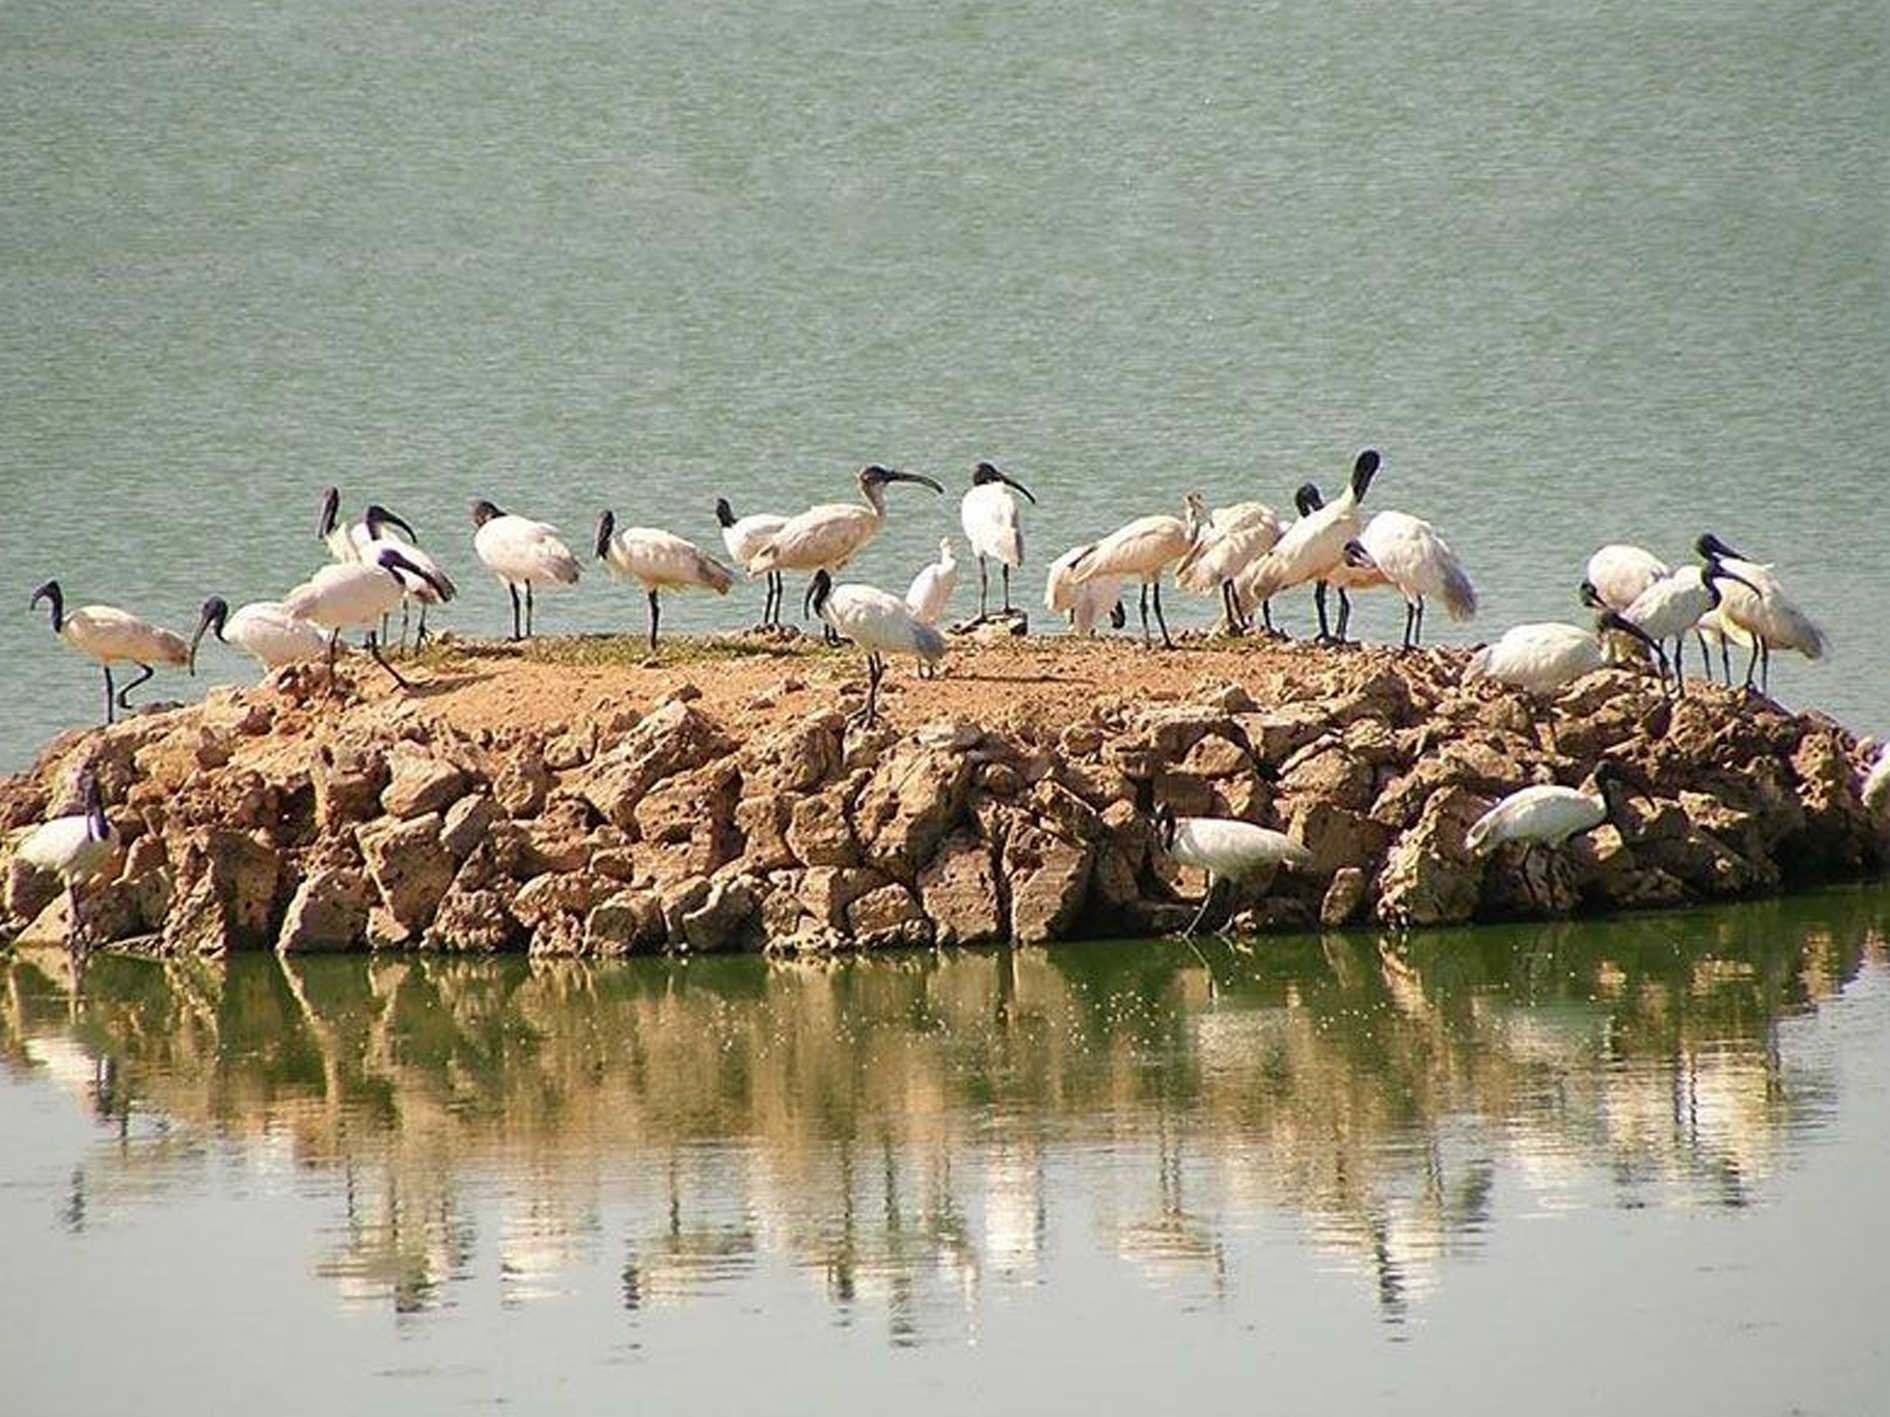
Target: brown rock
{"type": "Point", "coordinates": [348, 783]}
{"type": "Point", "coordinates": [1049, 881]}
{"type": "Point", "coordinates": [1214, 756]}
{"type": "Point", "coordinates": [673, 739]}
{"type": "Point", "coordinates": [819, 833]}
{"type": "Point", "coordinates": [762, 822]}
{"type": "Point", "coordinates": [798, 757]}
{"type": "Point", "coordinates": [418, 784]}
{"type": "Point", "coordinates": [572, 893]}
{"type": "Point", "coordinates": [723, 919]}
{"type": "Point", "coordinates": [1337, 836]}
{"type": "Point", "coordinates": [466, 823]}
{"type": "Point", "coordinates": [1428, 877]}
{"type": "Point", "coordinates": [888, 916]}
{"type": "Point", "coordinates": [1343, 897]}
{"type": "Point", "coordinates": [624, 922]}
{"type": "Point", "coordinates": [474, 918]}
{"type": "Point", "coordinates": [409, 868]}
{"type": "Point", "coordinates": [913, 799]}
{"type": "Point", "coordinates": [224, 893]}
{"type": "Point", "coordinates": [559, 838]}
{"type": "Point", "coordinates": [960, 893]}
{"type": "Point", "coordinates": [522, 782]}
{"type": "Point", "coordinates": [329, 911]}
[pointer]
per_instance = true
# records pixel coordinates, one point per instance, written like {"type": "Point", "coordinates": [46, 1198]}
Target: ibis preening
{"type": "Point", "coordinates": [1083, 602]}
{"type": "Point", "coordinates": [110, 635]}
{"type": "Point", "coordinates": [522, 553]}
{"type": "Point", "coordinates": [1546, 814]}
{"type": "Point", "coordinates": [262, 628]}
{"type": "Point", "coordinates": [1543, 656]}
{"type": "Point", "coordinates": [744, 537]}
{"type": "Point", "coordinates": [878, 623]}
{"type": "Point", "coordinates": [1619, 573]}
{"type": "Point", "coordinates": [657, 561]}
{"type": "Point", "coordinates": [1231, 540]}
{"type": "Point", "coordinates": [431, 586]}
{"type": "Point", "coordinates": [355, 596]}
{"type": "Point", "coordinates": [826, 537]}
{"type": "Point", "coordinates": [1226, 850]}
{"type": "Point", "coordinates": [1143, 549]}
{"type": "Point", "coordinates": [1313, 547]}
{"type": "Point", "coordinates": [74, 847]}
{"type": "Point", "coordinates": [1671, 609]}
{"type": "Point", "coordinates": [1756, 605]}
{"type": "Point", "coordinates": [346, 539]}
{"type": "Point", "coordinates": [990, 516]}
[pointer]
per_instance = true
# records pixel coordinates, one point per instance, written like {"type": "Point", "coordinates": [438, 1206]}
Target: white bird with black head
{"type": "Point", "coordinates": [993, 527]}
{"type": "Point", "coordinates": [111, 636]}
{"type": "Point", "coordinates": [658, 561]}
{"type": "Point", "coordinates": [1758, 607]}
{"type": "Point", "coordinates": [522, 554]}
{"type": "Point", "coordinates": [1227, 850]}
{"type": "Point", "coordinates": [744, 538]}
{"type": "Point", "coordinates": [1546, 814]}
{"type": "Point", "coordinates": [263, 629]}
{"type": "Point", "coordinates": [74, 847]}
{"type": "Point", "coordinates": [879, 623]}
{"type": "Point", "coordinates": [355, 597]}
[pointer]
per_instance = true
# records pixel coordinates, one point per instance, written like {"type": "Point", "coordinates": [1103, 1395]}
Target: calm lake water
{"type": "Point", "coordinates": [1592, 273]}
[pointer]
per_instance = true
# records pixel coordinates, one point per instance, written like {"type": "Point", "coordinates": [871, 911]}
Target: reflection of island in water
{"type": "Point", "coordinates": [910, 1133]}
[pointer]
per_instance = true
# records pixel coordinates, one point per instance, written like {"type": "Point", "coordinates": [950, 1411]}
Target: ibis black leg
{"type": "Point", "coordinates": [1006, 565]}
{"type": "Point", "coordinates": [1144, 612]}
{"type": "Point", "coordinates": [1345, 615]}
{"type": "Point", "coordinates": [1207, 898]}
{"type": "Point", "coordinates": [1159, 620]}
{"type": "Point", "coordinates": [656, 613]}
{"type": "Point", "coordinates": [145, 671]}
{"type": "Point", "coordinates": [984, 587]}
{"type": "Point", "coordinates": [1319, 600]}
{"type": "Point", "coordinates": [516, 634]}
{"type": "Point", "coordinates": [1680, 665]}
{"type": "Point", "coordinates": [529, 608]}
{"type": "Point", "coordinates": [111, 702]}
{"type": "Point", "coordinates": [374, 648]}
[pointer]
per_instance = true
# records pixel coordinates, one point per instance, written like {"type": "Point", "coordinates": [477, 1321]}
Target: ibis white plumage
{"type": "Point", "coordinates": [1313, 547]}
{"type": "Point", "coordinates": [354, 596]}
{"type": "Point", "coordinates": [1085, 602]}
{"type": "Point", "coordinates": [931, 590]}
{"type": "Point", "coordinates": [113, 636]}
{"type": "Point", "coordinates": [993, 529]}
{"type": "Point", "coordinates": [1545, 655]}
{"type": "Point", "coordinates": [744, 537]}
{"type": "Point", "coordinates": [430, 585]}
{"type": "Point", "coordinates": [1144, 549]}
{"type": "Point", "coordinates": [1227, 850]}
{"type": "Point", "coordinates": [1231, 540]}
{"type": "Point", "coordinates": [1757, 604]}
{"type": "Point", "coordinates": [1620, 572]}
{"type": "Point", "coordinates": [879, 623]}
{"type": "Point", "coordinates": [263, 629]}
{"type": "Point", "coordinates": [1547, 813]}
{"type": "Point", "coordinates": [1671, 609]}
{"type": "Point", "coordinates": [74, 847]}
{"type": "Point", "coordinates": [658, 561]}
{"type": "Point", "coordinates": [1416, 560]}
{"type": "Point", "coordinates": [522, 554]}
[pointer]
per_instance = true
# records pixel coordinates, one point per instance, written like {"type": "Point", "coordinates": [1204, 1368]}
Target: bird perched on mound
{"type": "Point", "coordinates": [658, 561]}
{"type": "Point", "coordinates": [110, 636]}
{"type": "Point", "coordinates": [990, 516]}
{"type": "Point", "coordinates": [1227, 850]}
{"type": "Point", "coordinates": [1547, 813]}
{"type": "Point", "coordinates": [74, 847]}
{"type": "Point", "coordinates": [877, 622]}
{"type": "Point", "coordinates": [522, 554]}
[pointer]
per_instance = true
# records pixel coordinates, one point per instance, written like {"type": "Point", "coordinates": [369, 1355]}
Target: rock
{"type": "Point", "coordinates": [409, 868]}
{"type": "Point", "coordinates": [888, 916]}
{"type": "Point", "coordinates": [695, 804]}
{"type": "Point", "coordinates": [673, 739]}
{"type": "Point", "coordinates": [224, 893]}
{"type": "Point", "coordinates": [1428, 877]}
{"type": "Point", "coordinates": [522, 782]}
{"type": "Point", "coordinates": [572, 893]}
{"type": "Point", "coordinates": [348, 784]}
{"type": "Point", "coordinates": [825, 892]}
{"type": "Point", "coordinates": [1337, 837]}
{"type": "Point", "coordinates": [418, 784]}
{"type": "Point", "coordinates": [474, 918]}
{"type": "Point", "coordinates": [798, 757]}
{"type": "Point", "coordinates": [819, 833]}
{"type": "Point", "coordinates": [1215, 756]}
{"type": "Point", "coordinates": [1276, 734]}
{"type": "Point", "coordinates": [1327, 771]}
{"type": "Point", "coordinates": [466, 823]}
{"type": "Point", "coordinates": [762, 822]}
{"type": "Point", "coordinates": [624, 922]}
{"type": "Point", "coordinates": [329, 911]}
{"type": "Point", "coordinates": [1048, 879]}
{"type": "Point", "coordinates": [559, 838]}
{"type": "Point", "coordinates": [723, 918]}
{"type": "Point", "coordinates": [912, 800]}
{"type": "Point", "coordinates": [960, 892]}
{"type": "Point", "coordinates": [1343, 897]}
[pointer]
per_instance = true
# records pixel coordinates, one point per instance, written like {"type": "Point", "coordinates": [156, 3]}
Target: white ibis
{"type": "Point", "coordinates": [1416, 561]}
{"type": "Point", "coordinates": [658, 561]}
{"type": "Point", "coordinates": [990, 516]}
{"type": "Point", "coordinates": [522, 553]}
{"type": "Point", "coordinates": [1547, 814]}
{"type": "Point", "coordinates": [1671, 608]}
{"type": "Point", "coordinates": [1086, 602]}
{"type": "Point", "coordinates": [1313, 547]}
{"type": "Point", "coordinates": [355, 596]}
{"type": "Point", "coordinates": [1619, 573]}
{"type": "Point", "coordinates": [374, 532]}
{"type": "Point", "coordinates": [1143, 549]}
{"type": "Point", "coordinates": [1232, 539]}
{"type": "Point", "coordinates": [1758, 605]}
{"type": "Point", "coordinates": [1226, 850]}
{"type": "Point", "coordinates": [744, 537]}
{"type": "Point", "coordinates": [1545, 655]}
{"type": "Point", "coordinates": [826, 537]}
{"type": "Point", "coordinates": [263, 628]}
{"type": "Point", "coordinates": [879, 623]}
{"type": "Point", "coordinates": [931, 590]}
{"type": "Point", "coordinates": [110, 636]}
{"type": "Point", "coordinates": [74, 847]}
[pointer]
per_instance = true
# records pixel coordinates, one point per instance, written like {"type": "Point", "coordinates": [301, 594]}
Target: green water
{"type": "Point", "coordinates": [1584, 273]}
{"type": "Point", "coordinates": [1310, 1177]}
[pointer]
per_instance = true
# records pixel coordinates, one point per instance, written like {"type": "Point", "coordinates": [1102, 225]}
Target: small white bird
{"type": "Point", "coordinates": [354, 596]}
{"type": "Point", "coordinates": [931, 590]}
{"type": "Point", "coordinates": [262, 628]}
{"type": "Point", "coordinates": [1546, 813]}
{"type": "Point", "coordinates": [826, 537]}
{"type": "Point", "coordinates": [879, 623]}
{"type": "Point", "coordinates": [1758, 605]}
{"type": "Point", "coordinates": [1232, 540]}
{"type": "Point", "coordinates": [744, 538]}
{"type": "Point", "coordinates": [990, 516]}
{"type": "Point", "coordinates": [1086, 602]}
{"type": "Point", "coordinates": [1143, 548]}
{"type": "Point", "coordinates": [522, 553]}
{"type": "Point", "coordinates": [1545, 655]}
{"type": "Point", "coordinates": [344, 540]}
{"type": "Point", "coordinates": [1419, 563]}
{"type": "Point", "coordinates": [658, 561]}
{"type": "Point", "coordinates": [74, 847]}
{"type": "Point", "coordinates": [110, 635]}
{"type": "Point", "coordinates": [1226, 850]}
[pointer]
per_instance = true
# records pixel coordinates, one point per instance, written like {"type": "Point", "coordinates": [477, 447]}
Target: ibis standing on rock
{"type": "Point", "coordinates": [110, 635]}
{"type": "Point", "coordinates": [1545, 655]}
{"type": "Point", "coordinates": [1227, 850]}
{"type": "Point", "coordinates": [1671, 608]}
{"type": "Point", "coordinates": [431, 587]}
{"type": "Point", "coordinates": [990, 516]}
{"type": "Point", "coordinates": [1231, 540]}
{"type": "Point", "coordinates": [355, 596]}
{"type": "Point", "coordinates": [744, 537]}
{"type": "Point", "coordinates": [658, 561]}
{"type": "Point", "coordinates": [877, 622]}
{"type": "Point", "coordinates": [263, 628]}
{"type": "Point", "coordinates": [1757, 607]}
{"type": "Point", "coordinates": [74, 847]}
{"type": "Point", "coordinates": [826, 537]}
{"type": "Point", "coordinates": [1547, 814]}
{"type": "Point", "coordinates": [521, 553]}
{"type": "Point", "coordinates": [1314, 546]}
{"type": "Point", "coordinates": [1413, 558]}
{"type": "Point", "coordinates": [1143, 548]}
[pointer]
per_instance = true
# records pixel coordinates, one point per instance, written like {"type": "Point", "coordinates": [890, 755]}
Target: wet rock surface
{"type": "Point", "coordinates": [265, 818]}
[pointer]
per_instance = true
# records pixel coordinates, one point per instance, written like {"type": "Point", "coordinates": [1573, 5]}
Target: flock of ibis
{"type": "Point", "coordinates": [1243, 555]}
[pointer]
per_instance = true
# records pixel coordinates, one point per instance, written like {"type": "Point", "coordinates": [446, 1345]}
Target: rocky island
{"type": "Point", "coordinates": [575, 797]}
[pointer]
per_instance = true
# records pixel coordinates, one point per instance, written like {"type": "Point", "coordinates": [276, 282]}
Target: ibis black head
{"type": "Point", "coordinates": [1715, 571]}
{"type": "Point", "coordinates": [377, 516]}
{"type": "Point", "coordinates": [986, 473]}
{"type": "Point", "coordinates": [606, 528]}
{"type": "Point", "coordinates": [216, 611]}
{"type": "Point", "coordinates": [1364, 469]}
{"type": "Point", "coordinates": [1710, 546]}
{"type": "Point", "coordinates": [331, 512]}
{"type": "Point", "coordinates": [1590, 596]}
{"type": "Point", "coordinates": [51, 593]}
{"type": "Point", "coordinates": [1165, 824]}
{"type": "Point", "coordinates": [818, 589]}
{"type": "Point", "coordinates": [1118, 616]}
{"type": "Point", "coordinates": [97, 825]}
{"type": "Point", "coordinates": [724, 514]}
{"type": "Point", "coordinates": [484, 511]}
{"type": "Point", "coordinates": [400, 567]}
{"type": "Point", "coordinates": [1615, 621]}
{"type": "Point", "coordinates": [1357, 557]}
{"type": "Point", "coordinates": [873, 475]}
{"type": "Point", "coordinates": [1308, 499]}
